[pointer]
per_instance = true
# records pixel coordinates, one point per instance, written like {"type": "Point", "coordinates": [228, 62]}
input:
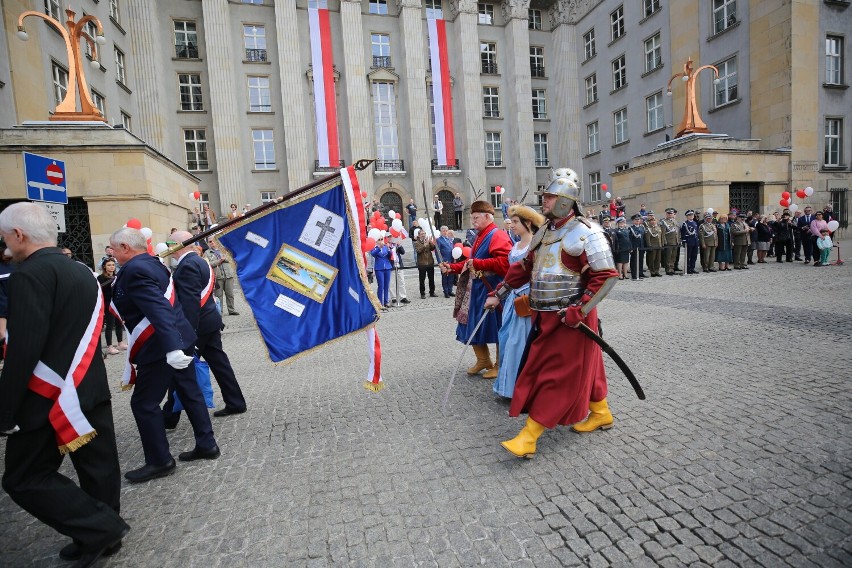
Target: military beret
{"type": "Point", "coordinates": [636, 216]}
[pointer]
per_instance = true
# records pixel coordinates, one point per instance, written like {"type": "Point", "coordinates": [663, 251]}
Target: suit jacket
{"type": "Point", "coordinates": [191, 277]}
{"type": "Point", "coordinates": [804, 223]}
{"type": "Point", "coordinates": [52, 299]}
{"type": "Point", "coordinates": [139, 293]}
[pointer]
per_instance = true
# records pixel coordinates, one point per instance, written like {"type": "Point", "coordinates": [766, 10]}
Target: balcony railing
{"type": "Point", "coordinates": [186, 51]}
{"type": "Point", "coordinates": [454, 166]}
{"type": "Point", "coordinates": [389, 165]}
{"type": "Point", "coordinates": [332, 168]}
{"type": "Point", "coordinates": [542, 162]}
{"type": "Point", "coordinates": [493, 163]}
{"type": "Point", "coordinates": [381, 61]}
{"type": "Point", "coordinates": [489, 68]}
{"type": "Point", "coordinates": [537, 71]}
{"type": "Point", "coordinates": [255, 55]}
{"type": "Point", "coordinates": [539, 115]}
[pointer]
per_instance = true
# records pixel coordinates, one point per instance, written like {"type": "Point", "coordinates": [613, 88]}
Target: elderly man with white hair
{"type": "Point", "coordinates": [162, 342]}
{"type": "Point", "coordinates": [54, 392]}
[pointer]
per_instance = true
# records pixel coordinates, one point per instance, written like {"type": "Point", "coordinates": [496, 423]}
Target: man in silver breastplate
{"type": "Point", "coordinates": [570, 269]}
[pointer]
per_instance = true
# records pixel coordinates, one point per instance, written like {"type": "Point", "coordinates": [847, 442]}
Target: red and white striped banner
{"type": "Point", "coordinates": [374, 375]}
{"type": "Point", "coordinates": [441, 95]}
{"type": "Point", "coordinates": [325, 105]}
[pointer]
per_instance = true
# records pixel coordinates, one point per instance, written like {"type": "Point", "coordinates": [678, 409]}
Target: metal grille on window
{"type": "Point", "coordinates": [78, 233]}
{"type": "Point", "coordinates": [744, 196]}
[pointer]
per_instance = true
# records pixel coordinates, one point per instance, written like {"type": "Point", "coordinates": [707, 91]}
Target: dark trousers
{"type": "Point", "coordinates": [708, 257]}
{"type": "Point", "coordinates": [637, 267]}
{"type": "Point", "coordinates": [671, 256]}
{"type": "Point", "coordinates": [411, 220]}
{"type": "Point", "coordinates": [691, 257]}
{"type": "Point", "coordinates": [422, 273]}
{"type": "Point", "coordinates": [653, 257]}
{"type": "Point", "coordinates": [797, 244]}
{"type": "Point", "coordinates": [87, 513]}
{"type": "Point", "coordinates": [447, 282]}
{"type": "Point", "coordinates": [782, 249]}
{"type": "Point", "coordinates": [458, 220]}
{"type": "Point", "coordinates": [808, 245]}
{"type": "Point", "coordinates": [437, 218]}
{"type": "Point", "coordinates": [110, 324]}
{"type": "Point", "coordinates": [740, 255]}
{"type": "Point", "coordinates": [153, 381]}
{"type": "Point", "coordinates": [209, 347]}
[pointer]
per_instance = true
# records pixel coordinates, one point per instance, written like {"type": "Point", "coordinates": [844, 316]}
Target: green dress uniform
{"type": "Point", "coordinates": [671, 236]}
{"type": "Point", "coordinates": [709, 241]}
{"type": "Point", "coordinates": [654, 245]}
{"type": "Point", "coordinates": [739, 234]}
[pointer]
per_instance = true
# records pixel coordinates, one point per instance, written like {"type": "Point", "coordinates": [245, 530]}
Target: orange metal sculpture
{"type": "Point", "coordinates": [691, 122]}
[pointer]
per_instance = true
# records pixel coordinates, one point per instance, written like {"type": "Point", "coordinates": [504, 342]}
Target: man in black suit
{"type": "Point", "coordinates": [54, 323]}
{"type": "Point", "coordinates": [194, 283]}
{"type": "Point", "coordinates": [804, 227]}
{"type": "Point", "coordinates": [160, 348]}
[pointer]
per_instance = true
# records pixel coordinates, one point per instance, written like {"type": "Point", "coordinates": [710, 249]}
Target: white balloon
{"type": "Point", "coordinates": [422, 223]}
{"type": "Point", "coordinates": [436, 233]}
{"type": "Point", "coordinates": [833, 226]}
{"type": "Point", "coordinates": [375, 234]}
{"type": "Point", "coordinates": [391, 213]}
{"type": "Point", "coordinates": [793, 207]}
{"type": "Point", "coordinates": [396, 224]}
{"type": "Point", "coordinates": [809, 191]}
{"type": "Point", "coordinates": [608, 195]}
{"type": "Point", "coordinates": [457, 252]}
{"type": "Point", "coordinates": [710, 210]}
{"type": "Point", "coordinates": [147, 232]}
{"type": "Point", "coordinates": [416, 232]}
{"type": "Point", "coordinates": [160, 248]}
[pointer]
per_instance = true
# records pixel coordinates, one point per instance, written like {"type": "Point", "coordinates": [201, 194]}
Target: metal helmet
{"type": "Point", "coordinates": [567, 194]}
{"type": "Point", "coordinates": [565, 173]}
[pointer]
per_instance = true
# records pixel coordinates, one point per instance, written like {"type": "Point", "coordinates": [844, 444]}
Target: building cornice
{"type": "Point", "coordinates": [516, 9]}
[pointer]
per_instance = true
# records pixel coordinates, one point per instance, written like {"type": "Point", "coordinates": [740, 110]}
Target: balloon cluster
{"type": "Point", "coordinates": [134, 223]}
{"type": "Point", "coordinates": [787, 198]}
{"type": "Point", "coordinates": [196, 195]}
{"type": "Point", "coordinates": [499, 189]}
{"type": "Point", "coordinates": [460, 251]}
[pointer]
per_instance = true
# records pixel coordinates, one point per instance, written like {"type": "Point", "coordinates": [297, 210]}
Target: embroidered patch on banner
{"type": "Point", "coordinates": [302, 273]}
{"type": "Point", "coordinates": [257, 239]}
{"type": "Point", "coordinates": [323, 230]}
{"type": "Point", "coordinates": [290, 305]}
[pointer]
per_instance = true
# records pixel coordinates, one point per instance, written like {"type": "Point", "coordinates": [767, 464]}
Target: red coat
{"type": "Point", "coordinates": [498, 251]}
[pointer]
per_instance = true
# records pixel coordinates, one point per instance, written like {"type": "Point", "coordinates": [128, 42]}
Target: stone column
{"type": "Point", "coordinates": [357, 90]}
{"type": "Point", "coordinates": [297, 143]}
{"type": "Point", "coordinates": [149, 122]}
{"type": "Point", "coordinates": [519, 108]}
{"type": "Point", "coordinates": [419, 162]}
{"type": "Point", "coordinates": [563, 97]}
{"type": "Point", "coordinates": [470, 131]}
{"type": "Point", "coordinates": [229, 141]}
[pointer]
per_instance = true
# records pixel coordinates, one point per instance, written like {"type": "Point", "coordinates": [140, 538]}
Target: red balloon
{"type": "Point", "coordinates": [134, 224]}
{"type": "Point", "coordinates": [196, 195]}
{"type": "Point", "coordinates": [363, 195]}
{"type": "Point", "coordinates": [399, 215]}
{"type": "Point", "coordinates": [784, 203]}
{"type": "Point", "coordinates": [785, 194]}
{"type": "Point", "coordinates": [466, 252]}
{"type": "Point", "coordinates": [458, 246]}
{"type": "Point", "coordinates": [603, 186]}
{"type": "Point", "coordinates": [394, 232]}
{"type": "Point", "coordinates": [800, 193]}
{"type": "Point", "coordinates": [369, 244]}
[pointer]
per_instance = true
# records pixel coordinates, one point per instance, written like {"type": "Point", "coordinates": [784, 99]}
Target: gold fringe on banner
{"type": "Point", "coordinates": [77, 443]}
{"type": "Point", "coordinates": [375, 387]}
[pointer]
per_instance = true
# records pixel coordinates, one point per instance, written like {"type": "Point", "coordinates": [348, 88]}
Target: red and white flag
{"type": "Point", "coordinates": [441, 95]}
{"type": "Point", "coordinates": [325, 105]}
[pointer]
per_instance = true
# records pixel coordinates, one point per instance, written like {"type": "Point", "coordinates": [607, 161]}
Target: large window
{"type": "Point", "coordinates": [120, 67]}
{"type": "Point", "coordinates": [254, 38]}
{"type": "Point", "coordinates": [195, 143]}
{"type": "Point", "coordinates": [833, 142]}
{"type": "Point", "coordinates": [616, 23]}
{"type": "Point", "coordinates": [379, 7]}
{"type": "Point", "coordinates": [488, 57]}
{"type": "Point", "coordinates": [619, 73]}
{"type": "Point", "coordinates": [540, 147]}
{"type": "Point", "coordinates": [539, 104]}
{"type": "Point", "coordinates": [724, 14]}
{"type": "Point", "coordinates": [490, 102]}
{"type": "Point", "coordinates": [60, 83]}
{"type": "Point", "coordinates": [589, 44]}
{"type": "Point", "coordinates": [264, 149]}
{"type": "Point", "coordinates": [653, 53]}
{"type": "Point", "coordinates": [619, 122]}
{"type": "Point", "coordinates": [384, 120]}
{"type": "Point", "coordinates": [260, 99]}
{"type": "Point", "coordinates": [536, 61]}
{"type": "Point", "coordinates": [380, 48]}
{"type": "Point", "coordinates": [726, 88]}
{"type": "Point", "coordinates": [595, 186]}
{"type": "Point", "coordinates": [53, 9]}
{"type": "Point", "coordinates": [100, 102]}
{"type": "Point", "coordinates": [493, 149]}
{"type": "Point", "coordinates": [592, 137]}
{"type": "Point", "coordinates": [654, 111]}
{"type": "Point", "coordinates": [592, 88]}
{"type": "Point", "coordinates": [534, 19]}
{"type": "Point", "coordinates": [650, 6]}
{"type": "Point", "coordinates": [486, 13]}
{"type": "Point", "coordinates": [434, 10]}
{"type": "Point", "coordinates": [834, 60]}
{"type": "Point", "coordinates": [186, 40]}
{"type": "Point", "coordinates": [190, 91]}
{"type": "Point", "coordinates": [115, 10]}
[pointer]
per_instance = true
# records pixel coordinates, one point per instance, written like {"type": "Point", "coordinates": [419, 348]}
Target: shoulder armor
{"type": "Point", "coordinates": [575, 238]}
{"type": "Point", "coordinates": [537, 237]}
{"type": "Point", "coordinates": [598, 252]}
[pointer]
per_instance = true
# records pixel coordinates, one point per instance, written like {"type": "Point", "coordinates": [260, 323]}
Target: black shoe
{"type": "Point", "coordinates": [405, 301]}
{"type": "Point", "coordinates": [233, 313]}
{"type": "Point", "coordinates": [87, 559]}
{"type": "Point", "coordinates": [750, 262]}
{"type": "Point", "coordinates": [422, 296]}
{"type": "Point", "coordinates": [149, 472]}
{"type": "Point", "coordinates": [72, 551]}
{"type": "Point", "coordinates": [228, 411]}
{"type": "Point", "coordinates": [200, 454]}
{"type": "Point", "coordinates": [433, 295]}
{"type": "Point", "coordinates": [446, 295]}
{"type": "Point", "coordinates": [452, 295]}
{"type": "Point", "coordinates": [797, 258]}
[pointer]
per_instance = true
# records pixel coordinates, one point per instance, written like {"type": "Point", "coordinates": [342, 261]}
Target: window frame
{"type": "Point", "coordinates": [593, 135]}
{"type": "Point", "coordinates": [434, 9]}
{"type": "Point", "coordinates": [191, 90]}
{"type": "Point", "coordinates": [539, 110]}
{"type": "Point", "coordinates": [488, 57]}
{"type": "Point", "coordinates": [659, 111]}
{"type": "Point", "coordinates": [493, 148]}
{"type": "Point", "coordinates": [114, 11]}
{"type": "Point", "coordinates": [537, 68]}
{"type": "Point", "coordinates": [378, 7]}
{"type": "Point", "coordinates": [534, 20]}
{"type": "Point", "coordinates": [96, 98]}
{"type": "Point", "coordinates": [539, 143]}
{"type": "Point", "coordinates": [188, 46]}
{"type": "Point", "coordinates": [617, 27]}
{"type": "Point", "coordinates": [60, 90]}
{"type": "Point", "coordinates": [267, 147]}
{"type": "Point", "coordinates": [595, 186]}
{"type": "Point", "coordinates": [120, 66]}
{"type": "Point", "coordinates": [485, 13]}
{"type": "Point", "coordinates": [619, 72]}
{"type": "Point", "coordinates": [268, 196]}
{"type": "Point", "coordinates": [385, 151]}
{"type": "Point", "coordinates": [837, 57]}
{"type": "Point", "coordinates": [654, 6]}
{"type": "Point", "coordinates": [591, 85]}
{"type": "Point", "coordinates": [53, 8]}
{"type": "Point", "coordinates": [490, 101]}
{"type": "Point", "coordinates": [723, 8]}
{"type": "Point", "coordinates": [258, 54]}
{"type": "Point", "coordinates": [656, 49]}
{"type": "Point", "coordinates": [724, 79]}
{"type": "Point", "coordinates": [621, 127]}
{"type": "Point", "coordinates": [126, 121]}
{"type": "Point", "coordinates": [836, 147]}
{"type": "Point", "coordinates": [259, 89]}
{"type": "Point", "coordinates": [589, 44]}
{"type": "Point", "coordinates": [200, 147]}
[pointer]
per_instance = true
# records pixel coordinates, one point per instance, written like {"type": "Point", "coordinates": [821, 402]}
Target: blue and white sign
{"type": "Point", "coordinates": [45, 179]}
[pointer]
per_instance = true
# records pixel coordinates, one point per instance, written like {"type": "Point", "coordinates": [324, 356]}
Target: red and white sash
{"type": "Point", "coordinates": [72, 428]}
{"type": "Point", "coordinates": [138, 337]}
{"type": "Point", "coordinates": [207, 290]}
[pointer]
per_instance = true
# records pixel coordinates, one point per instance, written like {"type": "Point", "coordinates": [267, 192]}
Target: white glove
{"type": "Point", "coordinates": [10, 432]}
{"type": "Point", "coordinates": [178, 359]}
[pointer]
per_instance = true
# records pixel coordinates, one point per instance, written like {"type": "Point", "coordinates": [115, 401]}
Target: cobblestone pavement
{"type": "Point", "coordinates": [741, 454]}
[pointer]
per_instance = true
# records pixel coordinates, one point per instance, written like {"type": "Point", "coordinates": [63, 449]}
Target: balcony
{"type": "Point", "coordinates": [537, 71]}
{"type": "Point", "coordinates": [186, 51]}
{"type": "Point", "coordinates": [542, 162]}
{"type": "Point", "coordinates": [455, 166]}
{"type": "Point", "coordinates": [255, 55]}
{"type": "Point", "coordinates": [489, 67]}
{"type": "Point", "coordinates": [381, 61]}
{"type": "Point", "coordinates": [327, 169]}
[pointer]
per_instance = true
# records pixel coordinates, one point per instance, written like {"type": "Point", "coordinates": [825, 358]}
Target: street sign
{"type": "Point", "coordinates": [57, 211]}
{"type": "Point", "coordinates": [45, 179]}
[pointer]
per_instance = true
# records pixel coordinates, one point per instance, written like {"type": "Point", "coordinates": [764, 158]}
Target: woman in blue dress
{"type": "Point", "coordinates": [724, 252]}
{"type": "Point", "coordinates": [516, 327]}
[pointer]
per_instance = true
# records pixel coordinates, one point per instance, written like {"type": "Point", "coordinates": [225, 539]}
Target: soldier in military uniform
{"type": "Point", "coordinates": [570, 269]}
{"type": "Point", "coordinates": [739, 235]}
{"type": "Point", "coordinates": [671, 240]}
{"type": "Point", "coordinates": [654, 246]}
{"type": "Point", "coordinates": [637, 247]}
{"type": "Point", "coordinates": [689, 236]}
{"type": "Point", "coordinates": [709, 240]}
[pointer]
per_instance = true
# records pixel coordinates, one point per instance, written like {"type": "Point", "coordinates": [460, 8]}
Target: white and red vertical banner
{"type": "Point", "coordinates": [325, 104]}
{"type": "Point", "coordinates": [441, 94]}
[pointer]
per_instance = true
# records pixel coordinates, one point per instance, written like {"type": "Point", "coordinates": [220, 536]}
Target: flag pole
{"type": "Point", "coordinates": [360, 165]}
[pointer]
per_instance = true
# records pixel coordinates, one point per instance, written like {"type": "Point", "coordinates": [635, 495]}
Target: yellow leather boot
{"type": "Point", "coordinates": [483, 360]}
{"type": "Point", "coordinates": [523, 445]}
{"type": "Point", "coordinates": [495, 370]}
{"type": "Point", "coordinates": [599, 418]}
